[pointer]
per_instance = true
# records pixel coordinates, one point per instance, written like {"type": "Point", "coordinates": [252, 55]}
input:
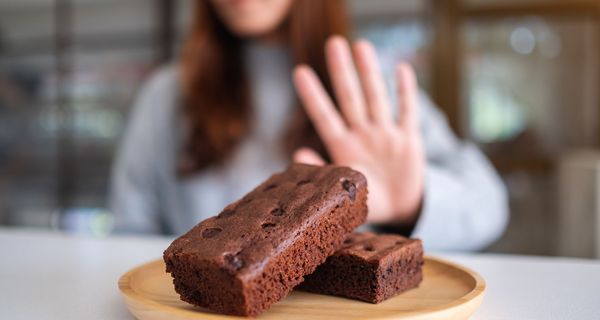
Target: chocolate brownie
{"type": "Point", "coordinates": [260, 247]}
{"type": "Point", "coordinates": [369, 267]}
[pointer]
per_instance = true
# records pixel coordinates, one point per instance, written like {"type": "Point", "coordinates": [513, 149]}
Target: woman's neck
{"type": "Point", "coordinates": [275, 37]}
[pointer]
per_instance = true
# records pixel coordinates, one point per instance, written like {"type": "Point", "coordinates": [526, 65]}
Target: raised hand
{"type": "Point", "coordinates": [365, 135]}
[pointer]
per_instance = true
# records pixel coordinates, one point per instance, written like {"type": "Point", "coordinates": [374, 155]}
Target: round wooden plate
{"type": "Point", "coordinates": [448, 291]}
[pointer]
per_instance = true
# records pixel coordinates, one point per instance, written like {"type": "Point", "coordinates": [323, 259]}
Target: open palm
{"type": "Point", "coordinates": [365, 136]}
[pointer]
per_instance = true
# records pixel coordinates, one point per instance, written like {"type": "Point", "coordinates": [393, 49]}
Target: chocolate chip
{"type": "Point", "coordinates": [269, 187]}
{"type": "Point", "coordinates": [277, 212]}
{"type": "Point", "coordinates": [369, 248]}
{"type": "Point", "coordinates": [350, 187]}
{"type": "Point", "coordinates": [234, 262]}
{"type": "Point", "coordinates": [302, 182]}
{"type": "Point", "coordinates": [211, 232]}
{"type": "Point", "coordinates": [226, 213]}
{"type": "Point", "coordinates": [268, 225]}
{"type": "Point", "coordinates": [348, 241]}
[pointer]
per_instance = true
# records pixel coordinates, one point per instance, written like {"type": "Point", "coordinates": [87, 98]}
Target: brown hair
{"type": "Point", "coordinates": [216, 96]}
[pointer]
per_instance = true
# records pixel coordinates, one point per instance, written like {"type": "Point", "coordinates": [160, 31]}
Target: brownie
{"type": "Point", "coordinates": [370, 268]}
{"type": "Point", "coordinates": [260, 247]}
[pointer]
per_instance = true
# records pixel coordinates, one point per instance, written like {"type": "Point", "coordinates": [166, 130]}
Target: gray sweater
{"type": "Point", "coordinates": [465, 202]}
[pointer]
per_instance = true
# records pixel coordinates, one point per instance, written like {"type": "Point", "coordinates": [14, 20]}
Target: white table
{"type": "Point", "coordinates": [45, 275]}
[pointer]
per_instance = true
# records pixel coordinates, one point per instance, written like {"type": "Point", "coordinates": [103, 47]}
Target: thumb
{"type": "Point", "coordinates": [308, 156]}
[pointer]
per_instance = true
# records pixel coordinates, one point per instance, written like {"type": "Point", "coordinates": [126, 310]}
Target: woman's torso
{"type": "Point", "coordinates": [189, 200]}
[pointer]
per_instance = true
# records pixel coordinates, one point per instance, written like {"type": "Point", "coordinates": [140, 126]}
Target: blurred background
{"type": "Point", "coordinates": [518, 77]}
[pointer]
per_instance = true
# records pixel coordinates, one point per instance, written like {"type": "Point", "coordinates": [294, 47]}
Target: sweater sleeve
{"type": "Point", "coordinates": [465, 202]}
{"type": "Point", "coordinates": [134, 195]}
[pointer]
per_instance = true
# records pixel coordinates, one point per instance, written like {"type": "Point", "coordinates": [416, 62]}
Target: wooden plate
{"type": "Point", "coordinates": [447, 291]}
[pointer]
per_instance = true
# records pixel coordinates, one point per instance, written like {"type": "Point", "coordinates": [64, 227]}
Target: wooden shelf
{"type": "Point", "coordinates": [563, 9]}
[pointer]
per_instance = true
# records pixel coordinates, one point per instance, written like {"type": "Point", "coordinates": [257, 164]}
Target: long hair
{"type": "Point", "coordinates": [215, 90]}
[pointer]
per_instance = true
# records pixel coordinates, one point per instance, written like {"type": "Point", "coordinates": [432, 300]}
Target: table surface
{"type": "Point", "coordinates": [47, 275]}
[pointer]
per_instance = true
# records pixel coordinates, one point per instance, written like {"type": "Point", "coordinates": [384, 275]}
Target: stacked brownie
{"type": "Point", "coordinates": [260, 247]}
{"type": "Point", "coordinates": [370, 268]}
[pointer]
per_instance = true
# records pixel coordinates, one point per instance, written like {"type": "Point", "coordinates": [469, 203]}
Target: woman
{"type": "Point", "coordinates": [206, 131]}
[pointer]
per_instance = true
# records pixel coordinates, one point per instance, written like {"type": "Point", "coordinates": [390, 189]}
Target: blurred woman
{"type": "Point", "coordinates": [222, 119]}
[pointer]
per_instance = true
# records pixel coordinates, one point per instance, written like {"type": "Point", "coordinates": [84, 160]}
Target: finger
{"type": "Point", "coordinates": [345, 81]}
{"type": "Point", "coordinates": [308, 156]}
{"type": "Point", "coordinates": [372, 82]}
{"type": "Point", "coordinates": [407, 96]}
{"type": "Point", "coordinates": [318, 105]}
